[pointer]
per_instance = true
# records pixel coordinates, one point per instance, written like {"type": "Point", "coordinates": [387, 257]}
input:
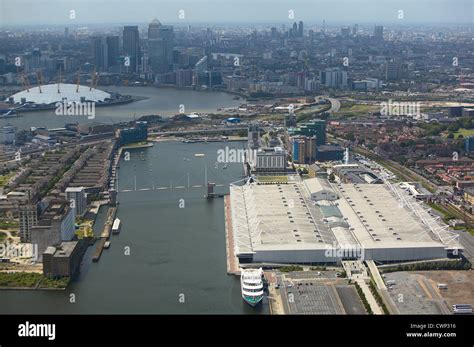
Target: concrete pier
{"type": "Point", "coordinates": [232, 261]}
{"type": "Point", "coordinates": [99, 249]}
{"type": "Point", "coordinates": [109, 222]}
{"type": "Point", "coordinates": [112, 211]}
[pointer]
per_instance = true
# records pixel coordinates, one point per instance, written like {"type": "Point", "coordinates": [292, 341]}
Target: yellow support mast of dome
{"type": "Point", "coordinates": [59, 80]}
{"type": "Point", "coordinates": [78, 79]}
{"type": "Point", "coordinates": [39, 79]}
{"type": "Point", "coordinates": [92, 79]}
{"type": "Point", "coordinates": [24, 80]}
{"type": "Point", "coordinates": [96, 80]}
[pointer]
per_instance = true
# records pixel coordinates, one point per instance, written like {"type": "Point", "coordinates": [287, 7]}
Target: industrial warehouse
{"type": "Point", "coordinates": [316, 221]}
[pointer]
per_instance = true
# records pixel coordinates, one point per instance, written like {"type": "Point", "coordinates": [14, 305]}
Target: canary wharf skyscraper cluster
{"type": "Point", "coordinates": [156, 55]}
{"type": "Point", "coordinates": [160, 46]}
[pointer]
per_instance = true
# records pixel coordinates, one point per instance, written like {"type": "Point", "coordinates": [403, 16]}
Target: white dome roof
{"type": "Point", "coordinates": [49, 94]}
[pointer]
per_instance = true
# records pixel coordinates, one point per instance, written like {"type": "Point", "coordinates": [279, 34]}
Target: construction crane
{"type": "Point", "coordinates": [27, 82]}
{"type": "Point", "coordinates": [92, 79]}
{"type": "Point", "coordinates": [59, 80]}
{"type": "Point", "coordinates": [24, 80]}
{"type": "Point", "coordinates": [96, 80]}
{"type": "Point", "coordinates": [78, 79]}
{"type": "Point", "coordinates": [39, 79]}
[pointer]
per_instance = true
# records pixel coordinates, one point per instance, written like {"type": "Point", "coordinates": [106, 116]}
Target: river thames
{"type": "Point", "coordinates": [157, 101]}
{"type": "Point", "coordinates": [176, 238]}
{"type": "Point", "coordinates": [177, 260]}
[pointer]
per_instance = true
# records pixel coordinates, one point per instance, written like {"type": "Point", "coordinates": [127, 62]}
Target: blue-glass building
{"type": "Point", "coordinates": [138, 133]}
{"type": "Point", "coordinates": [315, 127]}
{"type": "Point", "coordinates": [329, 153]}
{"type": "Point", "coordinates": [469, 144]}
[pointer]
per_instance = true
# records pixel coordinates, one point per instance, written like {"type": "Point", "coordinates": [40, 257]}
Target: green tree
{"type": "Point", "coordinates": [22, 137]}
{"type": "Point", "coordinates": [351, 136]}
{"type": "Point", "coordinates": [453, 127]}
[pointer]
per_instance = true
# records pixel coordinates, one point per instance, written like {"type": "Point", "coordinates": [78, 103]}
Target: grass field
{"type": "Point", "coordinates": [85, 230]}
{"type": "Point", "coordinates": [449, 213]}
{"type": "Point", "coordinates": [357, 110]}
{"type": "Point", "coordinates": [464, 132]}
{"type": "Point", "coordinates": [312, 112]}
{"type": "Point", "coordinates": [270, 117]}
{"type": "Point", "coordinates": [31, 280]}
{"type": "Point", "coordinates": [5, 178]}
{"type": "Point", "coordinates": [8, 224]}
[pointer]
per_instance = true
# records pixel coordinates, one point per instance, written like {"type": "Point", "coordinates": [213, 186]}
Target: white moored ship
{"type": "Point", "coordinates": [116, 226]}
{"type": "Point", "coordinates": [251, 284]}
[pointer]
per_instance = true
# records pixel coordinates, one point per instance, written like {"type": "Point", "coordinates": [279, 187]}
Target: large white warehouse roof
{"type": "Point", "coordinates": [292, 223]}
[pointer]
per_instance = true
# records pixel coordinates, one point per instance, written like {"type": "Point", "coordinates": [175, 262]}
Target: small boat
{"type": "Point", "coordinates": [186, 159]}
{"type": "Point", "coordinates": [107, 244]}
{"type": "Point", "coordinates": [116, 226]}
{"type": "Point", "coordinates": [225, 166]}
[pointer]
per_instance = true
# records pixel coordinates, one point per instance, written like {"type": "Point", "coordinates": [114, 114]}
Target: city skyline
{"type": "Point", "coordinates": [201, 11]}
{"type": "Point", "coordinates": [303, 157]}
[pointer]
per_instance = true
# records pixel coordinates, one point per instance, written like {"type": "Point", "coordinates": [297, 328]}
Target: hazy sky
{"type": "Point", "coordinates": [234, 11]}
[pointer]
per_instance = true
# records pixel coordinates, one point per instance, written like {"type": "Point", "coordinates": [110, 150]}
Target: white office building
{"type": "Point", "coordinates": [7, 134]}
{"type": "Point", "coordinates": [334, 78]}
{"type": "Point", "coordinates": [271, 159]}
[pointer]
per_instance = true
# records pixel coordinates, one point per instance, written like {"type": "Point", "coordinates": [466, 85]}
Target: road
{"type": "Point", "coordinates": [335, 105]}
{"type": "Point", "coordinates": [459, 213]}
{"type": "Point", "coordinates": [283, 294]}
{"type": "Point", "coordinates": [382, 288]}
{"type": "Point", "coordinates": [198, 131]}
{"type": "Point", "coordinates": [376, 309]}
{"type": "Point", "coordinates": [467, 241]}
{"type": "Point", "coordinates": [398, 169]}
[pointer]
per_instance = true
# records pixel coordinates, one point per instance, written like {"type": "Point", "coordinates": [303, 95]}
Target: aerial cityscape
{"type": "Point", "coordinates": [302, 158]}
